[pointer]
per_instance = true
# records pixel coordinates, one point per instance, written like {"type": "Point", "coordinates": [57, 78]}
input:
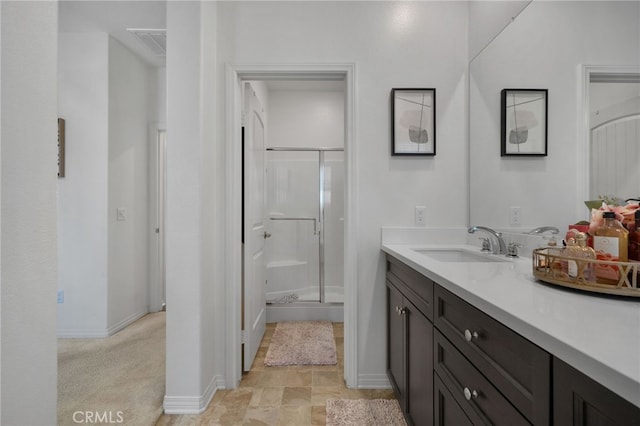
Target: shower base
{"type": "Point", "coordinates": [305, 311]}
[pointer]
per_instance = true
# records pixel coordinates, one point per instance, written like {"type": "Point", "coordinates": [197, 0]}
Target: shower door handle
{"type": "Point", "coordinates": [266, 235]}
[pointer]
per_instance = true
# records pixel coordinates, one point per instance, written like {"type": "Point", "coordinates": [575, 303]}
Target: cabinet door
{"type": "Point", "coordinates": [420, 366]}
{"type": "Point", "coordinates": [396, 355]}
{"type": "Point", "coordinates": [580, 401]}
{"type": "Point", "coordinates": [447, 412]}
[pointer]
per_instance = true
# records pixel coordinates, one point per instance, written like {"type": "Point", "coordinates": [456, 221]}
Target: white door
{"type": "Point", "coordinates": [254, 233]}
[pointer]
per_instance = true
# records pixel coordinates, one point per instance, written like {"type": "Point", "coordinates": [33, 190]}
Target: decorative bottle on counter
{"type": "Point", "coordinates": [634, 239]}
{"type": "Point", "coordinates": [582, 269]}
{"type": "Point", "coordinates": [611, 242]}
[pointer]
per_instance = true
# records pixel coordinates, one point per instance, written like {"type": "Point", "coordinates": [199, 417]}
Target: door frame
{"type": "Point", "coordinates": [235, 74]}
{"type": "Point", "coordinates": [157, 214]}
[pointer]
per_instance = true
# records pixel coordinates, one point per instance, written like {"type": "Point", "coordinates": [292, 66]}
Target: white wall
{"type": "Point", "coordinates": [108, 97]}
{"type": "Point", "coordinates": [128, 122]}
{"type": "Point", "coordinates": [488, 18]}
{"type": "Point", "coordinates": [83, 101]}
{"type": "Point", "coordinates": [28, 35]}
{"type": "Point", "coordinates": [299, 118]}
{"type": "Point", "coordinates": [194, 227]}
{"type": "Point", "coordinates": [419, 44]}
{"type": "Point", "coordinates": [523, 56]}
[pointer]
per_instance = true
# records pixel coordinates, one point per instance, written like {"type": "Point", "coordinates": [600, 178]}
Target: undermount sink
{"type": "Point", "coordinates": [458, 255]}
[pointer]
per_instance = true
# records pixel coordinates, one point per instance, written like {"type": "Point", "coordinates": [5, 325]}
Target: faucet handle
{"type": "Point", "coordinates": [512, 249]}
{"type": "Point", "coordinates": [486, 245]}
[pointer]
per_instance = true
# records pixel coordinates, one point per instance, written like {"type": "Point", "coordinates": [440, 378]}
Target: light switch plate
{"type": "Point", "coordinates": [121, 213]}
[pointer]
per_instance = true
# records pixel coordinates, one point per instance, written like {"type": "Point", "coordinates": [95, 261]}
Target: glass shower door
{"type": "Point", "coordinates": [292, 206]}
{"type": "Point", "coordinates": [332, 204]}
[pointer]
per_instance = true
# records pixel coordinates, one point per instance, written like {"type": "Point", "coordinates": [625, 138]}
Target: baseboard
{"type": "Point", "coordinates": [193, 404]}
{"type": "Point", "coordinates": [82, 334]}
{"type": "Point", "coordinates": [373, 381]}
{"type": "Point", "coordinates": [99, 333]}
{"type": "Point", "coordinates": [125, 322]}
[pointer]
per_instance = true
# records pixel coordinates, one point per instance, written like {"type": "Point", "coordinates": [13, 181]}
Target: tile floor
{"type": "Point", "coordinates": [290, 395]}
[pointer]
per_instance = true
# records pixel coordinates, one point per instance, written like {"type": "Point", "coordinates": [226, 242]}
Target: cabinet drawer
{"type": "Point", "coordinates": [477, 397]}
{"type": "Point", "coordinates": [520, 369]}
{"type": "Point", "coordinates": [415, 286]}
{"type": "Point", "coordinates": [447, 412]}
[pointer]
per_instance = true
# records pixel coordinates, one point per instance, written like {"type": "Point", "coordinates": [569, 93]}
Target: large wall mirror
{"type": "Point", "coordinates": [550, 45]}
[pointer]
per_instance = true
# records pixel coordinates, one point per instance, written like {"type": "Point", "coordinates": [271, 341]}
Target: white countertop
{"type": "Point", "coordinates": [598, 335]}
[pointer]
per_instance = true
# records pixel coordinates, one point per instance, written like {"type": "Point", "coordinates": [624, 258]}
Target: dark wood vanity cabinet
{"type": "Point", "coordinates": [410, 337]}
{"type": "Point", "coordinates": [451, 364]}
{"type": "Point", "coordinates": [580, 401]}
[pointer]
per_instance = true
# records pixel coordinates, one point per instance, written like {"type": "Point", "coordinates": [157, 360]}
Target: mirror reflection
{"type": "Point", "coordinates": [547, 47]}
{"type": "Point", "coordinates": [614, 136]}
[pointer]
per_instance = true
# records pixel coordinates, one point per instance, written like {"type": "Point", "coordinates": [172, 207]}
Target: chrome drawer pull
{"type": "Point", "coordinates": [468, 394]}
{"type": "Point", "coordinates": [468, 335]}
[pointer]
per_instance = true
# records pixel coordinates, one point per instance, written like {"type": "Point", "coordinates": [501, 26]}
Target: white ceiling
{"type": "Point", "coordinates": [114, 17]}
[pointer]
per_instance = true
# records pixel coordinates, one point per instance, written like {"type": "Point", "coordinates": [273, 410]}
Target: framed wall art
{"type": "Point", "coordinates": [413, 124]}
{"type": "Point", "coordinates": [523, 117]}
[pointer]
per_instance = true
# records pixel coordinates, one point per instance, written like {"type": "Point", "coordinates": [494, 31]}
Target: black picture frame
{"type": "Point", "coordinates": [523, 122]}
{"type": "Point", "coordinates": [413, 122]}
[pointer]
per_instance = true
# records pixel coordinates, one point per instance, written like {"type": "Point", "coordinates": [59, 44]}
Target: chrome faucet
{"type": "Point", "coordinates": [496, 243]}
{"type": "Point", "coordinates": [542, 229]}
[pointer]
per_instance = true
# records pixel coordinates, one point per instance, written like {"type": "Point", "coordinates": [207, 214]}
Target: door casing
{"type": "Point", "coordinates": [235, 75]}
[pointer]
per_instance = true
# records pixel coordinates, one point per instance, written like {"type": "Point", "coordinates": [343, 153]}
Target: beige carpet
{"type": "Point", "coordinates": [364, 412]}
{"type": "Point", "coordinates": [302, 343]}
{"type": "Point", "coordinates": [118, 379]}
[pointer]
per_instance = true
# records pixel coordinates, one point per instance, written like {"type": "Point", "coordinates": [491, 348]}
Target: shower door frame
{"type": "Point", "coordinates": [320, 227]}
{"type": "Point", "coordinates": [235, 74]}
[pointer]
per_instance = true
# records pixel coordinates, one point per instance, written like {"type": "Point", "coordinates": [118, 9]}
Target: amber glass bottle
{"type": "Point", "coordinates": [611, 242]}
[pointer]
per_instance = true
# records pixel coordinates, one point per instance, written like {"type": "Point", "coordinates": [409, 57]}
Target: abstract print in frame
{"type": "Point", "coordinates": [413, 126]}
{"type": "Point", "coordinates": [523, 122]}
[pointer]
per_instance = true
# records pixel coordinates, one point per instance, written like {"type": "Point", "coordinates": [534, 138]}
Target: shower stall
{"type": "Point", "coordinates": [305, 252]}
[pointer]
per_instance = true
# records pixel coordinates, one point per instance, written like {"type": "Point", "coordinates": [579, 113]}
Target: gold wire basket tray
{"type": "Point", "coordinates": [551, 268]}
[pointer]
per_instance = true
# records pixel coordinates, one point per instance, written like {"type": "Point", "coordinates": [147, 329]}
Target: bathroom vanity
{"type": "Point", "coordinates": [474, 339]}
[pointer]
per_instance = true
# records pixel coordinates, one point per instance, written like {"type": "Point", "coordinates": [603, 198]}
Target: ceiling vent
{"type": "Point", "coordinates": [154, 40]}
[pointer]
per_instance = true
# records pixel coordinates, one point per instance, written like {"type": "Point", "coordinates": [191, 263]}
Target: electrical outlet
{"type": "Point", "coordinates": [419, 215]}
{"type": "Point", "coordinates": [60, 296]}
{"type": "Point", "coordinates": [515, 218]}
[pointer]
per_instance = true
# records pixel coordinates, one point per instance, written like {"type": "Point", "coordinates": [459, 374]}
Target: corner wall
{"type": "Point", "coordinates": [106, 95]}
{"type": "Point", "coordinates": [194, 222]}
{"type": "Point", "coordinates": [128, 251]}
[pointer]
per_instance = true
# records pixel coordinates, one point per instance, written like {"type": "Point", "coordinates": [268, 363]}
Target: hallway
{"type": "Point", "coordinates": [120, 377]}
